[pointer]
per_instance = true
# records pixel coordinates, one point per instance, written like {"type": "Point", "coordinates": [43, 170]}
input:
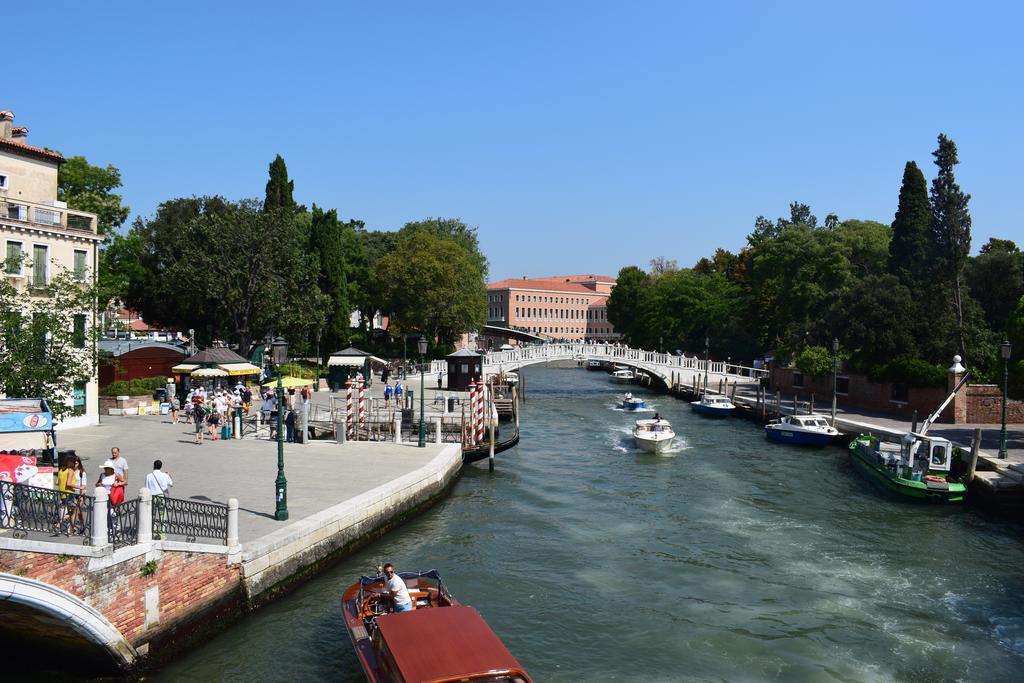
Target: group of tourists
{"type": "Point", "coordinates": [208, 410]}
{"type": "Point", "coordinates": [293, 401]}
{"type": "Point", "coordinates": [72, 483]}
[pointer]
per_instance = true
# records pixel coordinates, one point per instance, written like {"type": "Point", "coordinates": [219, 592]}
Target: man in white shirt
{"type": "Point", "coordinates": [120, 464]}
{"type": "Point", "coordinates": [396, 589]}
{"type": "Point", "coordinates": [158, 482]}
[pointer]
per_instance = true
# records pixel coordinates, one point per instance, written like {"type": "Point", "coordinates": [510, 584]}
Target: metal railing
{"type": "Point", "coordinates": [25, 508]}
{"type": "Point", "coordinates": [123, 523]}
{"type": "Point", "coordinates": [189, 518]}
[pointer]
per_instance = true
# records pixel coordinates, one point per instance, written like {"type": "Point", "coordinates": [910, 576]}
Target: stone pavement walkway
{"type": "Point", "coordinates": [319, 475]}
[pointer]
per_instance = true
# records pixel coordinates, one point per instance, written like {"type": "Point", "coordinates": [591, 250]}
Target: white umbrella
{"type": "Point", "coordinates": [209, 372]}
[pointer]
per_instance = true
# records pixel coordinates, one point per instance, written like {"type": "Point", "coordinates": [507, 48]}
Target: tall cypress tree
{"type": "Point", "coordinates": [908, 249]}
{"type": "Point", "coordinates": [951, 229]}
{"type": "Point", "coordinates": [279, 188]}
{"type": "Point", "coordinates": [327, 238]}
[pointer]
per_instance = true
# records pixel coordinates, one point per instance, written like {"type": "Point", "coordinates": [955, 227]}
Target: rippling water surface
{"type": "Point", "coordinates": [728, 558]}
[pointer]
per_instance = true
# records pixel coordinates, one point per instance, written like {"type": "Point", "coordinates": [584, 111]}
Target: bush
{"type": "Point", "coordinates": [815, 361]}
{"type": "Point", "coordinates": [913, 372]}
{"type": "Point", "coordinates": [293, 369]}
{"type": "Point", "coordinates": [142, 386]}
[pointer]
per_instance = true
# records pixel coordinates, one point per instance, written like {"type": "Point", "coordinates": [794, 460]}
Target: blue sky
{"type": "Point", "coordinates": [578, 137]}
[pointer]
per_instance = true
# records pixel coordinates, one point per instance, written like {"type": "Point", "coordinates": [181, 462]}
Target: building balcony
{"type": "Point", "coordinates": [55, 215]}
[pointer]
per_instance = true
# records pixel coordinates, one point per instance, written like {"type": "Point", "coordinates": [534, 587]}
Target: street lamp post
{"type": "Point", "coordinates": [835, 370]}
{"type": "Point", "coordinates": [1005, 349]}
{"type": "Point", "coordinates": [279, 351]}
{"type": "Point", "coordinates": [422, 348]}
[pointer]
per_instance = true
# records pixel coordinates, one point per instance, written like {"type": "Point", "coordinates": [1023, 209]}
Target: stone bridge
{"type": "Point", "coordinates": [670, 370]}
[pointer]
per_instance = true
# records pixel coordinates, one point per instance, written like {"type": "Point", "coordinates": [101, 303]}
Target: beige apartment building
{"type": "Point", "coordinates": [571, 307]}
{"type": "Point", "coordinates": [45, 236]}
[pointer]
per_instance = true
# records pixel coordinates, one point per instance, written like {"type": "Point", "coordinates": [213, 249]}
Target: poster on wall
{"type": "Point", "coordinates": [22, 469]}
{"type": "Point", "coordinates": [24, 415]}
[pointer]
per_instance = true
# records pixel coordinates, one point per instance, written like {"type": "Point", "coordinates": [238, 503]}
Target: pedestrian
{"type": "Point", "coordinates": [199, 419]}
{"type": "Point", "coordinates": [289, 424]}
{"type": "Point", "coordinates": [212, 422]}
{"type": "Point", "coordinates": [439, 378]}
{"type": "Point", "coordinates": [120, 464]}
{"type": "Point", "coordinates": [158, 482]}
{"type": "Point", "coordinates": [398, 390]}
{"type": "Point", "coordinates": [387, 393]}
{"type": "Point", "coordinates": [384, 374]}
{"type": "Point", "coordinates": [247, 400]}
{"type": "Point", "coordinates": [175, 407]}
{"type": "Point", "coordinates": [269, 411]}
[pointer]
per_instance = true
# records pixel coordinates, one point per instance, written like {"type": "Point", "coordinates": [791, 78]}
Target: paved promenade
{"type": "Point", "coordinates": [319, 475]}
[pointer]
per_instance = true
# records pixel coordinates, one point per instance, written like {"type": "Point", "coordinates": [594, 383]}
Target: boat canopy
{"type": "Point", "coordinates": [449, 644]}
{"type": "Point", "coordinates": [429, 574]}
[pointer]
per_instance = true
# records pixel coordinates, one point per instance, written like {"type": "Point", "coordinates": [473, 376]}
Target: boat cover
{"type": "Point", "coordinates": [443, 643]}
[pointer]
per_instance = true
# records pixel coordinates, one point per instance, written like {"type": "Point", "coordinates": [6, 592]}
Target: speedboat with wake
{"type": "Point", "coordinates": [654, 435]}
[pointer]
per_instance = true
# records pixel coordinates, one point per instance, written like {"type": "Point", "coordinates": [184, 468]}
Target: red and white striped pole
{"type": "Point", "coordinates": [481, 399]}
{"type": "Point", "coordinates": [348, 408]}
{"type": "Point", "coordinates": [472, 412]}
{"type": "Point", "coordinates": [362, 404]}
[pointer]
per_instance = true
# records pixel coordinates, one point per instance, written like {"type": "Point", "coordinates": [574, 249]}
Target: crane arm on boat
{"type": "Point", "coordinates": [934, 416]}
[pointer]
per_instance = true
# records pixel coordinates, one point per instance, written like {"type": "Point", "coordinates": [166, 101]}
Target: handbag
{"type": "Point", "coordinates": [116, 495]}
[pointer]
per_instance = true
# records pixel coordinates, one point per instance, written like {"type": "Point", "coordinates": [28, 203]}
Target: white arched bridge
{"type": "Point", "coordinates": [671, 370]}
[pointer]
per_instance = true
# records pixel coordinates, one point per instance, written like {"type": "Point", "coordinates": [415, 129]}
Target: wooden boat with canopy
{"type": "Point", "coordinates": [438, 641]}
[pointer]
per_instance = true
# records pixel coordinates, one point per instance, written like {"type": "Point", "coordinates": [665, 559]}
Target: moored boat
{"type": "Point", "coordinates": [654, 435]}
{"type": "Point", "coordinates": [630, 402]}
{"type": "Point", "coordinates": [623, 376]}
{"type": "Point", "coordinates": [917, 467]}
{"type": "Point", "coordinates": [805, 430]}
{"type": "Point", "coordinates": [439, 640]}
{"type": "Point", "coordinates": [713, 406]}
{"type": "Point", "coordinates": [595, 364]}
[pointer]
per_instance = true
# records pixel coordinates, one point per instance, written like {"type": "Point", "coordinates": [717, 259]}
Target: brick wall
{"type": "Point", "coordinates": [985, 406]}
{"type": "Point", "coordinates": [862, 394]}
{"type": "Point", "coordinates": [188, 584]}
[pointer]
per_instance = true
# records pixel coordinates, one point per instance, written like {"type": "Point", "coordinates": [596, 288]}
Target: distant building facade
{"type": "Point", "coordinates": [40, 236]}
{"type": "Point", "coordinates": [567, 307]}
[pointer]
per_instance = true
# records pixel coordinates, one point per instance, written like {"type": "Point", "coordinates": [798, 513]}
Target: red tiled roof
{"type": "Point", "coordinates": [546, 284]}
{"type": "Point", "coordinates": [21, 147]}
{"type": "Point", "coordinates": [584, 278]}
{"type": "Point", "coordinates": [598, 302]}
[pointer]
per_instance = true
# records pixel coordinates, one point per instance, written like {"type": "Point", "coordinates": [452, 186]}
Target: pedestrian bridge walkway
{"type": "Point", "coordinates": [671, 370]}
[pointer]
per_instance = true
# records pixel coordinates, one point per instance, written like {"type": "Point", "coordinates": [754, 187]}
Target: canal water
{"type": "Point", "coordinates": [729, 558]}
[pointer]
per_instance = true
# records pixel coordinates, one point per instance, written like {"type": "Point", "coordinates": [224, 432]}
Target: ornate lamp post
{"type": "Point", "coordinates": [279, 352]}
{"type": "Point", "coordinates": [421, 345]}
{"type": "Point", "coordinates": [835, 370]}
{"type": "Point", "coordinates": [1005, 349]}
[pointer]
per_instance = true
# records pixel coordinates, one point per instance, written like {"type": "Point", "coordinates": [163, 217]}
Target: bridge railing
{"type": "Point", "coordinates": [25, 509]}
{"type": "Point", "coordinates": [655, 360]}
{"type": "Point", "coordinates": [192, 519]}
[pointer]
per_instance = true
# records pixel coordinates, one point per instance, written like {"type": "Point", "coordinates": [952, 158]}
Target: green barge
{"type": "Point", "coordinates": [917, 467]}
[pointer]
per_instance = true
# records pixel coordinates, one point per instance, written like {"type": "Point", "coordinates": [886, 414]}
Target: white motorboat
{"type": "Point", "coordinates": [629, 402]}
{"type": "Point", "coordinates": [809, 430]}
{"type": "Point", "coordinates": [713, 406]}
{"type": "Point", "coordinates": [623, 376]}
{"type": "Point", "coordinates": [654, 435]}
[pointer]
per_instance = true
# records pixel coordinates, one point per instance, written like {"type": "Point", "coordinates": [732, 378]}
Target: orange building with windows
{"type": "Point", "coordinates": [570, 307]}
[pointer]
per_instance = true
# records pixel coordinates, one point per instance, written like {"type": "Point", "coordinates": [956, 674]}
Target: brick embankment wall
{"type": "Point", "coordinates": [152, 611]}
{"type": "Point", "coordinates": [985, 406]}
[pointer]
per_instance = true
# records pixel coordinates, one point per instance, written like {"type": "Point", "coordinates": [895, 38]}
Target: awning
{"type": "Point", "coordinates": [184, 367]}
{"type": "Point", "coordinates": [290, 382]}
{"type": "Point", "coordinates": [209, 372]}
{"type": "Point", "coordinates": [236, 369]}
{"type": "Point", "coordinates": [354, 361]}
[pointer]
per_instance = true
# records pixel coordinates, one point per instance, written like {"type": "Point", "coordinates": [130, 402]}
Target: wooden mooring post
{"type": "Point", "coordinates": [490, 455]}
{"type": "Point", "coordinates": [975, 446]}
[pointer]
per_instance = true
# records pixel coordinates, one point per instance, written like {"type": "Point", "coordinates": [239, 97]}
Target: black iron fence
{"type": "Point", "coordinates": [189, 518]}
{"type": "Point", "coordinates": [123, 523]}
{"type": "Point", "coordinates": [25, 508]}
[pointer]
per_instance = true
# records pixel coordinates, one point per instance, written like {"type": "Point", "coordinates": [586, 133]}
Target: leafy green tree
{"type": "Point", "coordinates": [327, 240]}
{"type": "Point", "coordinates": [627, 302]}
{"type": "Point", "coordinates": [452, 228]}
{"type": "Point", "coordinates": [995, 278]}
{"type": "Point", "coordinates": [91, 188]}
{"type": "Point", "coordinates": [815, 361]}
{"type": "Point", "coordinates": [45, 341]}
{"type": "Point", "coordinates": [950, 230]}
{"type": "Point", "coordinates": [279, 187]}
{"type": "Point", "coordinates": [432, 283]}
{"type": "Point", "coordinates": [230, 271]}
{"type": "Point", "coordinates": [1015, 335]}
{"type": "Point", "coordinates": [911, 231]}
{"type": "Point", "coordinates": [866, 320]}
